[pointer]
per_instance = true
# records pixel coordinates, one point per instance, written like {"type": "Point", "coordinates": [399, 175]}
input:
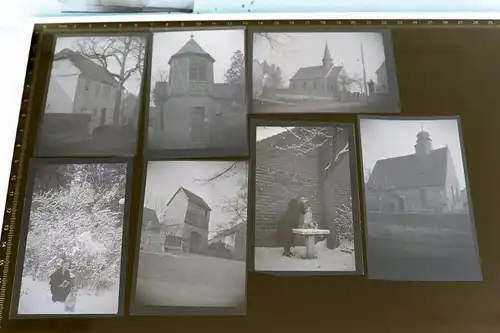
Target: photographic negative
{"type": "Point", "coordinates": [192, 256]}
{"type": "Point", "coordinates": [306, 214]}
{"type": "Point", "coordinates": [198, 98]}
{"type": "Point", "coordinates": [418, 211]}
{"type": "Point", "coordinates": [70, 258]}
{"type": "Point", "coordinates": [92, 100]}
{"type": "Point", "coordinates": [323, 71]}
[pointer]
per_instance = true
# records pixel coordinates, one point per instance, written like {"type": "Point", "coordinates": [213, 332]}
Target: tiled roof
{"type": "Point", "coordinates": [380, 68]}
{"type": "Point", "coordinates": [192, 47]}
{"type": "Point", "coordinates": [87, 67]}
{"type": "Point", "coordinates": [316, 72]}
{"type": "Point", "coordinates": [409, 171]}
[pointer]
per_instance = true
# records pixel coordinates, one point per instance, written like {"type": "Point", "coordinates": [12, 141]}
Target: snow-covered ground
{"type": "Point", "coordinates": [270, 259]}
{"type": "Point", "coordinates": [35, 299]}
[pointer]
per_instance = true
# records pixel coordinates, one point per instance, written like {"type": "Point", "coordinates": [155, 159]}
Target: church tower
{"type": "Point", "coordinates": [424, 144]}
{"type": "Point", "coordinates": [191, 70]}
{"type": "Point", "coordinates": [327, 58]}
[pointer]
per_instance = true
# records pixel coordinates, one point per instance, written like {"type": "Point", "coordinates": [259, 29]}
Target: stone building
{"type": "Point", "coordinates": [186, 222]}
{"type": "Point", "coordinates": [325, 80]}
{"type": "Point", "coordinates": [423, 181]}
{"type": "Point", "coordinates": [198, 113]}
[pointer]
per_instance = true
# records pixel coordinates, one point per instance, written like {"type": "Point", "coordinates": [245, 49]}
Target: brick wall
{"type": "Point", "coordinates": [280, 176]}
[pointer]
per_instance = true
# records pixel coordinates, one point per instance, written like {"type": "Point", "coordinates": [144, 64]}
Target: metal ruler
{"type": "Point", "coordinates": [13, 204]}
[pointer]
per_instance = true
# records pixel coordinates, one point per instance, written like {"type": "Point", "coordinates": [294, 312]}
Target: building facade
{"type": "Point", "coordinates": [325, 80]}
{"type": "Point", "coordinates": [425, 181]}
{"type": "Point", "coordinates": [198, 112]}
{"type": "Point", "coordinates": [283, 174]}
{"type": "Point", "coordinates": [230, 243]}
{"type": "Point", "coordinates": [186, 222]}
{"type": "Point", "coordinates": [78, 85]}
{"type": "Point", "coordinates": [382, 84]}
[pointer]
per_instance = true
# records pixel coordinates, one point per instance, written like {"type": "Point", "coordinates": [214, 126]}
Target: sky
{"type": "Point", "coordinates": [133, 84]}
{"type": "Point", "coordinates": [297, 50]}
{"type": "Point", "coordinates": [263, 132]}
{"type": "Point", "coordinates": [220, 44]}
{"type": "Point", "coordinates": [382, 139]}
{"type": "Point", "coordinates": [164, 178]}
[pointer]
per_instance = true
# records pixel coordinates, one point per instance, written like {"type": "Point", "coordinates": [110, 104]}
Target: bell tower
{"type": "Point", "coordinates": [327, 58]}
{"type": "Point", "coordinates": [424, 144]}
{"type": "Point", "coordinates": [191, 70]}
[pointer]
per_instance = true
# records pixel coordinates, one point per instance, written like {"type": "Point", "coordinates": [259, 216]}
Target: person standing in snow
{"type": "Point", "coordinates": [61, 282]}
{"type": "Point", "coordinates": [290, 220]}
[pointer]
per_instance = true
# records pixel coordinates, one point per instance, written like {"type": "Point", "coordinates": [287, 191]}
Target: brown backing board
{"type": "Point", "coordinates": [444, 68]}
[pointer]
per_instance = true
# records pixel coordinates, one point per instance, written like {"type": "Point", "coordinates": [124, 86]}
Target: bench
{"type": "Point", "coordinates": [310, 235]}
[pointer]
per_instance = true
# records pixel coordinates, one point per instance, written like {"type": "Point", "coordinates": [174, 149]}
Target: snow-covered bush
{"type": "Point", "coordinates": [344, 222]}
{"type": "Point", "coordinates": [80, 221]}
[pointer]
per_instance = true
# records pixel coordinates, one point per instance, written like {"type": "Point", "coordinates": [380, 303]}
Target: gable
{"type": "Point", "coordinates": [409, 171]}
{"type": "Point", "coordinates": [87, 67]}
{"type": "Point", "coordinates": [195, 199]}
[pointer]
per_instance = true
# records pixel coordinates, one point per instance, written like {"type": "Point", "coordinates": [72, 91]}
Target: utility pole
{"type": "Point", "coordinates": [364, 72]}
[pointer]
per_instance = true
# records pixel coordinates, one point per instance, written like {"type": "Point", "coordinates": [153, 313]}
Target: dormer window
{"type": "Point", "coordinates": [197, 70]}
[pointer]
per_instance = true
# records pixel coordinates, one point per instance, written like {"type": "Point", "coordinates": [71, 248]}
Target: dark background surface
{"type": "Point", "coordinates": [441, 71]}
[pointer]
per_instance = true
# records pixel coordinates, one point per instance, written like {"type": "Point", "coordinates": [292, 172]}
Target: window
{"type": "Point", "coordinates": [97, 90]}
{"type": "Point", "coordinates": [103, 116]}
{"type": "Point", "coordinates": [197, 70]}
{"type": "Point", "coordinates": [87, 85]}
{"type": "Point", "coordinates": [197, 124]}
{"type": "Point", "coordinates": [423, 197]}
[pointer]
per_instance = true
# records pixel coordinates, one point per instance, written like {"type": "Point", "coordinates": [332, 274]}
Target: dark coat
{"type": "Point", "coordinates": [288, 221]}
{"type": "Point", "coordinates": [59, 294]}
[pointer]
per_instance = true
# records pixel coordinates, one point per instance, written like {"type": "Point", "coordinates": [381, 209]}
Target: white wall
{"type": "Point", "coordinates": [175, 214]}
{"type": "Point", "coordinates": [62, 87]}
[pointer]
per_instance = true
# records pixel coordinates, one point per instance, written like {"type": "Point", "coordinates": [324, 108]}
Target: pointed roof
{"type": "Point", "coordinates": [87, 67]}
{"type": "Point", "coordinates": [327, 55]}
{"type": "Point", "coordinates": [380, 68]}
{"type": "Point", "coordinates": [194, 198]}
{"type": "Point", "coordinates": [192, 48]}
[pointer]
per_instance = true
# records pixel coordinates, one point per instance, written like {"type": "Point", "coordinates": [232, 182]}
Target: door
{"type": "Point", "coordinates": [401, 204]}
{"type": "Point", "coordinates": [194, 242]}
{"type": "Point", "coordinates": [103, 116]}
{"type": "Point", "coordinates": [197, 125]}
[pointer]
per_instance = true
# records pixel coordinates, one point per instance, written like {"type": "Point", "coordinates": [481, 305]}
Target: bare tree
{"type": "Point", "coordinates": [232, 169]}
{"type": "Point", "coordinates": [266, 37]}
{"type": "Point", "coordinates": [159, 94]}
{"type": "Point", "coordinates": [309, 138]}
{"type": "Point", "coordinates": [125, 52]}
{"type": "Point", "coordinates": [236, 206]}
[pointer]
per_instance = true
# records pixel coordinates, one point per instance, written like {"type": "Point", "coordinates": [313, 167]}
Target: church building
{"type": "Point", "coordinates": [423, 181]}
{"type": "Point", "coordinates": [199, 113]}
{"type": "Point", "coordinates": [325, 80]}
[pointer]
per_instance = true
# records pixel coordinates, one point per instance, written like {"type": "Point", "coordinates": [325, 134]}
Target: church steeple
{"type": "Point", "coordinates": [327, 58]}
{"type": "Point", "coordinates": [424, 143]}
